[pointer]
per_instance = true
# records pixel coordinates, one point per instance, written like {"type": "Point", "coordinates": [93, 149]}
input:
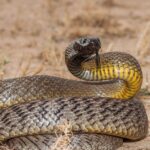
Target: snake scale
{"type": "Point", "coordinates": [101, 111]}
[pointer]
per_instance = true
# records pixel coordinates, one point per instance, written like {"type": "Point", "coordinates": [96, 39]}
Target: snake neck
{"type": "Point", "coordinates": [119, 73]}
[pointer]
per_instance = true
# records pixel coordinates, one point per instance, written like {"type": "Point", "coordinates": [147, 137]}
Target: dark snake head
{"type": "Point", "coordinates": [86, 46]}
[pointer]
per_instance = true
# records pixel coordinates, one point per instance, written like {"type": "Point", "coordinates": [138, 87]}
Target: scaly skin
{"type": "Point", "coordinates": [125, 119]}
{"type": "Point", "coordinates": [35, 105]}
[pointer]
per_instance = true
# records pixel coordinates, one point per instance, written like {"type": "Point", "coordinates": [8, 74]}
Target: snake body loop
{"type": "Point", "coordinates": [101, 111]}
{"type": "Point", "coordinates": [115, 67]}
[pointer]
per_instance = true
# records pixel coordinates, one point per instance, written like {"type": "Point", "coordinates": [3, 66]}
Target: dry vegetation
{"type": "Point", "coordinates": [34, 34]}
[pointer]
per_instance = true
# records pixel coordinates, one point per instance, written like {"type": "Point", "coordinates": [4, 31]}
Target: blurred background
{"type": "Point", "coordinates": [35, 33]}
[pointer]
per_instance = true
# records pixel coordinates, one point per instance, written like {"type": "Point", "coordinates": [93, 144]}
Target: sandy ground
{"type": "Point", "coordinates": [34, 34]}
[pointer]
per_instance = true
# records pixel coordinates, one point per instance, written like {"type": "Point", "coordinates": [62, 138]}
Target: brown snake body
{"type": "Point", "coordinates": [100, 114]}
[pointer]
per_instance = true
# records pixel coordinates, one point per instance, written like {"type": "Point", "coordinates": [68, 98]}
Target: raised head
{"type": "Point", "coordinates": [87, 45]}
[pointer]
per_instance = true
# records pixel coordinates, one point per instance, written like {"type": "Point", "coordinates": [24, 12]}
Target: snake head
{"type": "Point", "coordinates": [87, 45]}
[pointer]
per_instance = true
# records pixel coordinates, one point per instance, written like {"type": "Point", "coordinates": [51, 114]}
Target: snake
{"type": "Point", "coordinates": [97, 112]}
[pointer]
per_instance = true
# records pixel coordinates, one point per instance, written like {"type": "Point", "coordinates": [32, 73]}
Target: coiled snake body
{"type": "Point", "coordinates": [100, 114]}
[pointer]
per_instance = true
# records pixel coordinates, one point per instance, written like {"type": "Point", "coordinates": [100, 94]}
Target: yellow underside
{"type": "Point", "coordinates": [131, 76]}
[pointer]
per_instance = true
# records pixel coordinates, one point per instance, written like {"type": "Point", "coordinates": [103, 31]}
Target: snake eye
{"type": "Point", "coordinates": [84, 41]}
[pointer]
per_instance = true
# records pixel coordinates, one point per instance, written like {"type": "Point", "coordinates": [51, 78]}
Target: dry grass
{"type": "Point", "coordinates": [143, 46]}
{"type": "Point", "coordinates": [143, 52]}
{"type": "Point", "coordinates": [25, 65]}
{"type": "Point", "coordinates": [64, 139]}
{"type": "Point", "coordinates": [109, 3]}
{"type": "Point", "coordinates": [3, 62]}
{"type": "Point", "coordinates": [99, 20]}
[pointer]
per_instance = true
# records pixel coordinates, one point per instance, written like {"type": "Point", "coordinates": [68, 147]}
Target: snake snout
{"type": "Point", "coordinates": [87, 45]}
